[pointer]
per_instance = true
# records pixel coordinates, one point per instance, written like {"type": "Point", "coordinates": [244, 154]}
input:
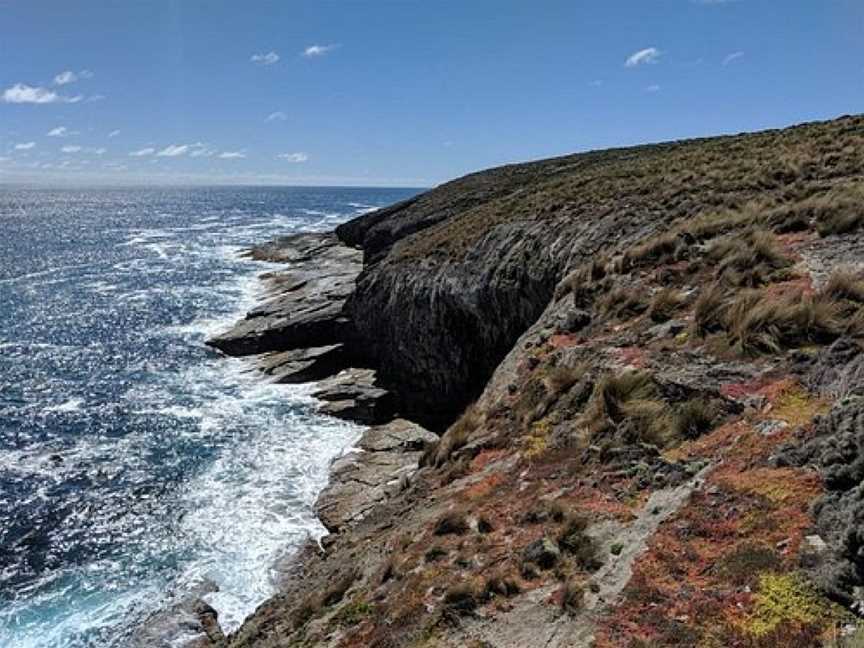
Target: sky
{"type": "Point", "coordinates": [398, 92]}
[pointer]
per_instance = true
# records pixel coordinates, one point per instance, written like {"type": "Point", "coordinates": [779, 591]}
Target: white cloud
{"type": "Point", "coordinates": [293, 157]}
{"type": "Point", "coordinates": [21, 93]}
{"type": "Point", "coordinates": [232, 155]}
{"type": "Point", "coordinates": [174, 150]}
{"type": "Point", "coordinates": [318, 50]}
{"type": "Point", "coordinates": [96, 97]}
{"type": "Point", "coordinates": [276, 116]}
{"type": "Point", "coordinates": [98, 151]}
{"type": "Point", "coordinates": [143, 152]}
{"type": "Point", "coordinates": [731, 58]}
{"type": "Point", "coordinates": [25, 146]}
{"type": "Point", "coordinates": [653, 88]}
{"type": "Point", "coordinates": [71, 149]}
{"type": "Point", "coordinates": [65, 77]}
{"type": "Point", "coordinates": [86, 74]}
{"type": "Point", "coordinates": [61, 131]}
{"type": "Point", "coordinates": [265, 59]}
{"type": "Point", "coordinates": [647, 55]}
{"type": "Point", "coordinates": [113, 133]}
{"type": "Point", "coordinates": [200, 150]}
{"type": "Point", "coordinates": [596, 83]}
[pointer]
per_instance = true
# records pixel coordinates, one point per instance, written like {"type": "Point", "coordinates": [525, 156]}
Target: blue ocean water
{"type": "Point", "coordinates": [136, 464]}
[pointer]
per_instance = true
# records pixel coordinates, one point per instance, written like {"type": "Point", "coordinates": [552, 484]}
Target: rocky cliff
{"type": "Point", "coordinates": [646, 367]}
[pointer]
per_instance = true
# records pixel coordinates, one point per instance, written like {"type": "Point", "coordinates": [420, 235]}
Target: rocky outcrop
{"type": "Point", "coordinates": [304, 303]}
{"type": "Point", "coordinates": [354, 395]}
{"type": "Point", "coordinates": [386, 458]}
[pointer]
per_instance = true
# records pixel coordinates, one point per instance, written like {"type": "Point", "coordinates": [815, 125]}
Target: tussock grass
{"type": "Point", "coordinates": [460, 599]}
{"type": "Point", "coordinates": [664, 303]}
{"type": "Point", "coordinates": [622, 302]}
{"type": "Point", "coordinates": [456, 437]}
{"type": "Point", "coordinates": [749, 259]}
{"type": "Point", "coordinates": [761, 323]}
{"type": "Point", "coordinates": [709, 313]}
{"type": "Point", "coordinates": [451, 523]}
{"type": "Point", "coordinates": [845, 283]}
{"type": "Point", "coordinates": [840, 211]}
{"type": "Point", "coordinates": [574, 540]}
{"type": "Point", "coordinates": [664, 248]}
{"type": "Point", "coordinates": [572, 597]}
{"type": "Point", "coordinates": [693, 418]}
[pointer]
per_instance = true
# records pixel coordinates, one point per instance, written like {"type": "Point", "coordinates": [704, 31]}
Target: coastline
{"type": "Point", "coordinates": [599, 430]}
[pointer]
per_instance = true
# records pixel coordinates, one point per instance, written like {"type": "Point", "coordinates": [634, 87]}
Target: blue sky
{"type": "Point", "coordinates": [398, 92]}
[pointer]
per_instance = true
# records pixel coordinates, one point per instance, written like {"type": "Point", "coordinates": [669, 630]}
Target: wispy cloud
{"type": "Point", "coordinates": [71, 149]}
{"type": "Point", "coordinates": [200, 150]}
{"type": "Point", "coordinates": [61, 131]}
{"type": "Point", "coordinates": [319, 50]}
{"type": "Point", "coordinates": [143, 152]}
{"type": "Point", "coordinates": [648, 55]}
{"type": "Point", "coordinates": [65, 78]}
{"type": "Point", "coordinates": [113, 133]}
{"type": "Point", "coordinates": [653, 88]}
{"type": "Point", "coordinates": [293, 157]}
{"type": "Point", "coordinates": [265, 59]}
{"type": "Point", "coordinates": [232, 155]}
{"type": "Point", "coordinates": [276, 116]}
{"type": "Point", "coordinates": [174, 150]}
{"type": "Point", "coordinates": [596, 83]}
{"type": "Point", "coordinates": [21, 93]}
{"type": "Point", "coordinates": [731, 58]}
{"type": "Point", "coordinates": [25, 146]}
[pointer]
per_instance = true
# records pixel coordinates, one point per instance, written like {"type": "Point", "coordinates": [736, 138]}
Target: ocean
{"type": "Point", "coordinates": [136, 464]}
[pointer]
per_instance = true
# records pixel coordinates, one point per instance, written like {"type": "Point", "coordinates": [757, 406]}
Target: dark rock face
{"type": "Point", "coordinates": [305, 365]}
{"type": "Point", "coordinates": [305, 305]}
{"type": "Point", "coordinates": [838, 452]}
{"type": "Point", "coordinates": [354, 395]}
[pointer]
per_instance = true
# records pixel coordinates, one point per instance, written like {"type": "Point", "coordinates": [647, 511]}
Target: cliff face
{"type": "Point", "coordinates": [664, 345]}
{"type": "Point", "coordinates": [454, 276]}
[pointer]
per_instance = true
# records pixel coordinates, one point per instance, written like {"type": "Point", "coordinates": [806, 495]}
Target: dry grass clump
{"type": "Point", "coordinates": [709, 312]}
{"type": "Point", "coordinates": [758, 322]}
{"type": "Point", "coordinates": [582, 281]}
{"type": "Point", "coordinates": [574, 540]}
{"type": "Point", "coordinates": [840, 211]}
{"type": "Point", "coordinates": [622, 303]}
{"type": "Point", "coordinates": [629, 404]}
{"type": "Point", "coordinates": [460, 600]}
{"type": "Point", "coordinates": [693, 418]}
{"type": "Point", "coordinates": [501, 584]}
{"type": "Point", "coordinates": [845, 283]}
{"type": "Point", "coordinates": [710, 225]}
{"type": "Point", "coordinates": [451, 523]}
{"type": "Point", "coordinates": [750, 259]}
{"type": "Point", "coordinates": [664, 304]}
{"type": "Point", "coordinates": [561, 378]}
{"type": "Point", "coordinates": [437, 454]}
{"type": "Point", "coordinates": [664, 248]}
{"type": "Point", "coordinates": [572, 597]}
